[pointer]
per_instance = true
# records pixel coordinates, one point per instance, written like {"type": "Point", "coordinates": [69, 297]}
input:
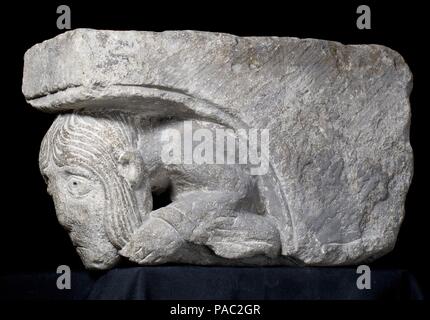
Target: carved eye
{"type": "Point", "coordinates": [78, 186]}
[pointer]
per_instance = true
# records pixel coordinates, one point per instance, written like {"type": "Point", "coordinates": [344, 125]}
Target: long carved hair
{"type": "Point", "coordinates": [95, 142]}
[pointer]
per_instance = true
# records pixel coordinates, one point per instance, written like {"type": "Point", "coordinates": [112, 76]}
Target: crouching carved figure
{"type": "Point", "coordinates": [335, 178]}
{"type": "Point", "coordinates": [102, 170]}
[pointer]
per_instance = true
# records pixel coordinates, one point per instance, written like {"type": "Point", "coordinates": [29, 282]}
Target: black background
{"type": "Point", "coordinates": [31, 238]}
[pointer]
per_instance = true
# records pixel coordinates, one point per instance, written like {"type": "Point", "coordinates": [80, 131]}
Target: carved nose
{"type": "Point", "coordinates": [62, 215]}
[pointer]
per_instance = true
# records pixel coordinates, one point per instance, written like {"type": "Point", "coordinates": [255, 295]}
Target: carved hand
{"type": "Point", "coordinates": [155, 242]}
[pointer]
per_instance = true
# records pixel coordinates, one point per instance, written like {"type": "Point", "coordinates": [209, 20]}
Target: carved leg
{"type": "Point", "coordinates": [219, 220]}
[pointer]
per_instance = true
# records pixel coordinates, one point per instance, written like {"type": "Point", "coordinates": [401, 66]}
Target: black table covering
{"type": "Point", "coordinates": [207, 283]}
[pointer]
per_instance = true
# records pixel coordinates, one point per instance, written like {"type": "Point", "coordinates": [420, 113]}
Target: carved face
{"type": "Point", "coordinates": [79, 199]}
{"type": "Point", "coordinates": [80, 161]}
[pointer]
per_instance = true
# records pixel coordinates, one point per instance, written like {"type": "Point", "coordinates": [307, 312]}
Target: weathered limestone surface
{"type": "Point", "coordinates": [340, 158]}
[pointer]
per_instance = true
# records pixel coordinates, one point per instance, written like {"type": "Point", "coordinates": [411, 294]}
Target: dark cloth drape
{"type": "Point", "coordinates": [193, 282]}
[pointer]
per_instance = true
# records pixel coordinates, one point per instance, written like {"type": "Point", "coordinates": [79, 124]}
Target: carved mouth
{"type": "Point", "coordinates": [76, 243]}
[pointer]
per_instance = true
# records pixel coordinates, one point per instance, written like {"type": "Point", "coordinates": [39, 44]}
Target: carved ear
{"type": "Point", "coordinates": [130, 166]}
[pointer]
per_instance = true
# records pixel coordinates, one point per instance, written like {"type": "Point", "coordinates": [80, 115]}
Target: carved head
{"type": "Point", "coordinates": [95, 175]}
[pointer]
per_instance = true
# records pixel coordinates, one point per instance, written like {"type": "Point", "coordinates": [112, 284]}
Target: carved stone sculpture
{"type": "Point", "coordinates": [271, 150]}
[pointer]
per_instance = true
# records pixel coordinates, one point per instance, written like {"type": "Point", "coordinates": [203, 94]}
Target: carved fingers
{"type": "Point", "coordinates": [155, 242]}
